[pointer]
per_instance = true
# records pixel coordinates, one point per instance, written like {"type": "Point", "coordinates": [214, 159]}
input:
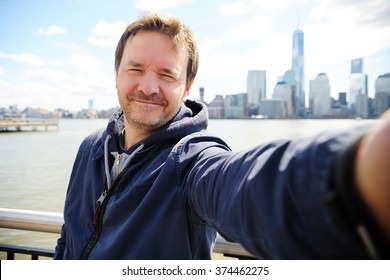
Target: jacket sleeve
{"type": "Point", "coordinates": [270, 198]}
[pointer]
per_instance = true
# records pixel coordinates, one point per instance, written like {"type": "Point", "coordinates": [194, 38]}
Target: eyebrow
{"type": "Point", "coordinates": [133, 63]}
{"type": "Point", "coordinates": [165, 70]}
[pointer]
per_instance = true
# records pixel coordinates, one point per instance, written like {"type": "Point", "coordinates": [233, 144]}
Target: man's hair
{"type": "Point", "coordinates": [181, 35]}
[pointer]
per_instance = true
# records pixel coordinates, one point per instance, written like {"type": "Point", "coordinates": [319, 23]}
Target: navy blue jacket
{"type": "Point", "coordinates": [181, 185]}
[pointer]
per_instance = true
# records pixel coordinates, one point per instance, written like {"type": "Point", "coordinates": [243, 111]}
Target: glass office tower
{"type": "Point", "coordinates": [256, 89]}
{"type": "Point", "coordinates": [298, 67]}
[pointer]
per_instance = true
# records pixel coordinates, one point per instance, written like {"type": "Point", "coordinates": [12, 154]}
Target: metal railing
{"type": "Point", "coordinates": [52, 222]}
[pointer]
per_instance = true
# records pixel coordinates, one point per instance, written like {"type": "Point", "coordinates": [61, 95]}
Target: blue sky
{"type": "Point", "coordinates": [59, 53]}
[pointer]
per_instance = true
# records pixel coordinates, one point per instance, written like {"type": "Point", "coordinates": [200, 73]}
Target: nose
{"type": "Point", "coordinates": [148, 84]}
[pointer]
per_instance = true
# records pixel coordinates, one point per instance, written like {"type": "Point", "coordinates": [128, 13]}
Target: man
{"type": "Point", "coordinates": [155, 185]}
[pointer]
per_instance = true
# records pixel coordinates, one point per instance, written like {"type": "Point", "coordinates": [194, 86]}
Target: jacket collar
{"type": "Point", "coordinates": [192, 117]}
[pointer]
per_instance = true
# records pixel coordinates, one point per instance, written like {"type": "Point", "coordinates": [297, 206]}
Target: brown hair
{"type": "Point", "coordinates": [180, 34]}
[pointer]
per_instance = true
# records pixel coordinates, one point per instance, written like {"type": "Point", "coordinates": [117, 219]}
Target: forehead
{"type": "Point", "coordinates": [154, 47]}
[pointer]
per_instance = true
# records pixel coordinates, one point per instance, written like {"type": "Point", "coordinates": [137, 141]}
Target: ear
{"type": "Point", "coordinates": [188, 90]}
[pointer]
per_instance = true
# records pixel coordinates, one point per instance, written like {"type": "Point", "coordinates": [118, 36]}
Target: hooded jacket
{"type": "Point", "coordinates": [180, 185]}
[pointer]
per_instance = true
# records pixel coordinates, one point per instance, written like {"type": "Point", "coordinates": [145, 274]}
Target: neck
{"type": "Point", "coordinates": [133, 135]}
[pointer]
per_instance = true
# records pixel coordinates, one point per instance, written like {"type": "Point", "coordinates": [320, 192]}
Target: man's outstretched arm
{"type": "Point", "coordinates": [372, 173]}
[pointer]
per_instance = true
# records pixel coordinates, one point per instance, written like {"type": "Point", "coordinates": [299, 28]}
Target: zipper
{"type": "Point", "coordinates": [103, 196]}
{"type": "Point", "coordinates": [99, 203]}
{"type": "Point", "coordinates": [97, 222]}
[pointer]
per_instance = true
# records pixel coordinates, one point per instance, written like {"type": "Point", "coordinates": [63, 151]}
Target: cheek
{"type": "Point", "coordinates": [124, 82]}
{"type": "Point", "coordinates": [175, 96]}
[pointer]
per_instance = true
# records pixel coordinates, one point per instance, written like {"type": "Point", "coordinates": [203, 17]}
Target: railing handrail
{"type": "Point", "coordinates": [31, 220]}
{"type": "Point", "coordinates": [52, 222]}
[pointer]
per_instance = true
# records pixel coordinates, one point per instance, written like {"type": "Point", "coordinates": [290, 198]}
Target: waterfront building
{"type": "Point", "coordinates": [39, 113]}
{"type": "Point", "coordinates": [338, 110]}
{"type": "Point", "coordinates": [282, 91]}
{"type": "Point", "coordinates": [371, 107]}
{"type": "Point", "coordinates": [290, 77]}
{"type": "Point", "coordinates": [298, 67]}
{"type": "Point", "coordinates": [256, 89]}
{"type": "Point", "coordinates": [382, 94]}
{"type": "Point", "coordinates": [201, 94]}
{"type": "Point", "coordinates": [357, 65]}
{"type": "Point", "coordinates": [320, 96]}
{"type": "Point", "coordinates": [343, 98]}
{"type": "Point", "coordinates": [357, 86]}
{"type": "Point", "coordinates": [236, 106]}
{"type": "Point", "coordinates": [361, 106]}
{"type": "Point", "coordinates": [341, 110]}
{"type": "Point", "coordinates": [91, 109]}
{"type": "Point", "coordinates": [216, 108]}
{"type": "Point", "coordinates": [358, 83]}
{"type": "Point", "coordinates": [273, 108]}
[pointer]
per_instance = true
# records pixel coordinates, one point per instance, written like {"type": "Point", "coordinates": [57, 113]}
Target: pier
{"type": "Point", "coordinates": [8, 125]}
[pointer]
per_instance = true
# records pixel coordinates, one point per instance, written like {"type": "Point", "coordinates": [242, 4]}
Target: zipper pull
{"type": "Point", "coordinates": [101, 198]}
{"type": "Point", "coordinates": [99, 203]}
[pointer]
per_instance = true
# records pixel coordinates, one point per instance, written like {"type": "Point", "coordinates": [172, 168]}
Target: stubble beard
{"type": "Point", "coordinates": [144, 117]}
{"type": "Point", "coordinates": [139, 121]}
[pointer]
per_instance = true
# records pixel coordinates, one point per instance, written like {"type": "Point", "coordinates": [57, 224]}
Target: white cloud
{"type": "Point", "coordinates": [374, 13]}
{"type": "Point", "coordinates": [260, 7]}
{"type": "Point", "coordinates": [84, 62]}
{"type": "Point", "coordinates": [52, 30]}
{"type": "Point", "coordinates": [331, 52]}
{"type": "Point", "coordinates": [272, 6]}
{"type": "Point", "coordinates": [67, 87]}
{"type": "Point", "coordinates": [252, 28]}
{"type": "Point", "coordinates": [236, 8]}
{"type": "Point", "coordinates": [106, 35]}
{"type": "Point", "coordinates": [1, 71]}
{"type": "Point", "coordinates": [25, 58]}
{"type": "Point", "coordinates": [340, 35]}
{"type": "Point", "coordinates": [56, 62]}
{"type": "Point", "coordinates": [153, 5]}
{"type": "Point", "coordinates": [47, 75]}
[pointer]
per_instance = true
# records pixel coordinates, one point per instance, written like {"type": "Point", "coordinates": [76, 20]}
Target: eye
{"type": "Point", "coordinates": [134, 70]}
{"type": "Point", "coordinates": [167, 77]}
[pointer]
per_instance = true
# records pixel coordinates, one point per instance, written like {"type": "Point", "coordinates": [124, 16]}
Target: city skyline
{"type": "Point", "coordinates": [48, 59]}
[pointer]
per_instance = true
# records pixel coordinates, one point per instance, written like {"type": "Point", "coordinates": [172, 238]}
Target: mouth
{"type": "Point", "coordinates": [148, 102]}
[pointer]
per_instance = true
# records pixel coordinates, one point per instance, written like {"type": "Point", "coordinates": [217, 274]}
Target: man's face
{"type": "Point", "coordinates": [151, 80]}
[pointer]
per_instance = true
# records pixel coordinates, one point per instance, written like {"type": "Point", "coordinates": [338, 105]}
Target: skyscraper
{"type": "Point", "coordinates": [357, 84]}
{"type": "Point", "coordinates": [298, 67]}
{"type": "Point", "coordinates": [201, 94]}
{"type": "Point", "coordinates": [320, 96]}
{"type": "Point", "coordinates": [283, 91]}
{"type": "Point", "coordinates": [256, 89]}
{"type": "Point", "coordinates": [91, 109]}
{"type": "Point", "coordinates": [357, 65]}
{"type": "Point", "coordinates": [382, 94]}
{"type": "Point", "coordinates": [291, 79]}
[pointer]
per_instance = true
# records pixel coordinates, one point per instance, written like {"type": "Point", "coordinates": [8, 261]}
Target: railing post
{"type": "Point", "coordinates": [10, 255]}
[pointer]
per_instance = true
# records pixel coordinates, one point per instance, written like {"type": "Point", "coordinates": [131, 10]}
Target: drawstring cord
{"type": "Point", "coordinates": [106, 163]}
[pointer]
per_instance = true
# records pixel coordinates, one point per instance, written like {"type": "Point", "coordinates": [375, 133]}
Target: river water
{"type": "Point", "coordinates": [35, 166]}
